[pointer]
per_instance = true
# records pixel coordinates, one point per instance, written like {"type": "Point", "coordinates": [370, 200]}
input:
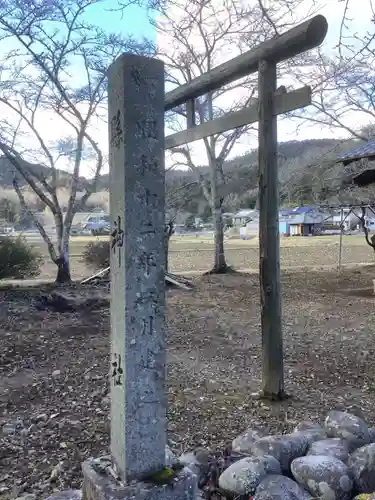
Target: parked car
{"type": "Point", "coordinates": [6, 229]}
{"type": "Point", "coordinates": [79, 230]}
{"type": "Point", "coordinates": [98, 224]}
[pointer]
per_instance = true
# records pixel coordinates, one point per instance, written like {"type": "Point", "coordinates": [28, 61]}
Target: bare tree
{"type": "Point", "coordinates": [343, 79]}
{"type": "Point", "coordinates": [55, 71]}
{"type": "Point", "coordinates": [175, 199]}
{"type": "Point", "coordinates": [194, 37]}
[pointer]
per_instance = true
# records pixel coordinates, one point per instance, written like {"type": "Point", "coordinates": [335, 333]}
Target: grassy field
{"type": "Point", "coordinates": [195, 255]}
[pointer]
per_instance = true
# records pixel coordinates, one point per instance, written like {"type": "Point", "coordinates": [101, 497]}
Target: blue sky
{"type": "Point", "coordinates": [134, 21]}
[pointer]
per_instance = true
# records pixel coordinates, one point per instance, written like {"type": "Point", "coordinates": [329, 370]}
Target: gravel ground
{"type": "Point", "coordinates": [53, 370]}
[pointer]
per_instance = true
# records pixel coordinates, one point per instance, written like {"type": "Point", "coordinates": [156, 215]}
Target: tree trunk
{"type": "Point", "coordinates": [168, 231]}
{"type": "Point", "coordinates": [166, 251]}
{"type": "Point", "coordinates": [220, 265]}
{"type": "Point", "coordinates": [62, 263]}
{"type": "Point", "coordinates": [63, 270]}
{"type": "Point", "coordinates": [216, 202]}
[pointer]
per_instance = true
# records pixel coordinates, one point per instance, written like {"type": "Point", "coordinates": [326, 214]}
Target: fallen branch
{"type": "Point", "coordinates": [170, 279]}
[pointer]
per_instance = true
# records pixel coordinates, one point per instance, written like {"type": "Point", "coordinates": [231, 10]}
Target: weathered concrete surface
{"type": "Point", "coordinates": [138, 355]}
{"type": "Point", "coordinates": [66, 495]}
{"type": "Point", "coordinates": [102, 486]}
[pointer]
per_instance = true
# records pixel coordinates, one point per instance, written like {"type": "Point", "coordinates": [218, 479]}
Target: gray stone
{"type": "Point", "coordinates": [13, 427]}
{"type": "Point", "coordinates": [311, 430]}
{"type": "Point", "coordinates": [138, 353]}
{"type": "Point", "coordinates": [27, 496]}
{"type": "Point", "coordinates": [243, 442]}
{"type": "Point", "coordinates": [170, 457]}
{"type": "Point", "coordinates": [41, 417]}
{"type": "Point", "coordinates": [66, 495]}
{"type": "Point", "coordinates": [334, 447]}
{"type": "Point", "coordinates": [362, 465]}
{"type": "Point", "coordinates": [242, 477]}
{"type": "Point", "coordinates": [308, 425]}
{"type": "Point", "coordinates": [198, 462]}
{"type": "Point", "coordinates": [347, 426]}
{"type": "Point", "coordinates": [9, 428]}
{"type": "Point", "coordinates": [101, 464]}
{"type": "Point", "coordinates": [311, 435]}
{"type": "Point", "coordinates": [371, 432]}
{"type": "Point", "coordinates": [97, 486]}
{"type": "Point", "coordinates": [200, 495]}
{"type": "Point", "coordinates": [56, 472]}
{"type": "Point", "coordinates": [285, 448]}
{"type": "Point", "coordinates": [323, 476]}
{"type": "Point", "coordinates": [277, 487]}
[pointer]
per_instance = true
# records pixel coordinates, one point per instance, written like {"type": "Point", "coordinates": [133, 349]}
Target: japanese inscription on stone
{"type": "Point", "coordinates": [145, 262]}
{"type": "Point", "coordinates": [147, 128]}
{"type": "Point", "coordinates": [147, 325]}
{"type": "Point", "coordinates": [147, 166]}
{"type": "Point", "coordinates": [117, 370]}
{"type": "Point", "coordinates": [117, 238]}
{"type": "Point", "coordinates": [116, 131]}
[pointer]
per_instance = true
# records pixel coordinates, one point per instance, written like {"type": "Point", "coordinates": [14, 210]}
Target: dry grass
{"type": "Point", "coordinates": [195, 255]}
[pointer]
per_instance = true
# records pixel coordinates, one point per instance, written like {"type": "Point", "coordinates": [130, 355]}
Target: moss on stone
{"type": "Point", "coordinates": [163, 476]}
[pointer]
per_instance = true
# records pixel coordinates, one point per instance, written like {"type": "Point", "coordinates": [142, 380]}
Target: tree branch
{"type": "Point", "coordinates": [42, 231]}
{"type": "Point", "coordinates": [24, 171]}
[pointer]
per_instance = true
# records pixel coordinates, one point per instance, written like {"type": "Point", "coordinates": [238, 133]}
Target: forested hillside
{"type": "Point", "coordinates": [308, 174]}
{"type": "Point", "coordinates": [7, 172]}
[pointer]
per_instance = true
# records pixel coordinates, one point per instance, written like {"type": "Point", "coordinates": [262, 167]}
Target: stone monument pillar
{"type": "Point", "coordinates": [136, 467]}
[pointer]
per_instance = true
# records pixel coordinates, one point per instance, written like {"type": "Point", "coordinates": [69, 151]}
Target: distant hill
{"type": "Point", "coordinates": [7, 172]}
{"type": "Point", "coordinates": [308, 173]}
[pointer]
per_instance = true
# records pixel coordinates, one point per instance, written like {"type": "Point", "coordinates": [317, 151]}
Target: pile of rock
{"type": "Point", "coordinates": [335, 461]}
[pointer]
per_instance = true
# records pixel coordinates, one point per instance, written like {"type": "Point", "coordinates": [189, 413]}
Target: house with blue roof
{"type": "Point", "coordinates": [301, 221]}
{"type": "Point", "coordinates": [366, 150]}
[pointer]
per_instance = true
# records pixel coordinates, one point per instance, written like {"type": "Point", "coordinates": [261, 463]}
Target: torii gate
{"type": "Point", "coordinates": [263, 59]}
